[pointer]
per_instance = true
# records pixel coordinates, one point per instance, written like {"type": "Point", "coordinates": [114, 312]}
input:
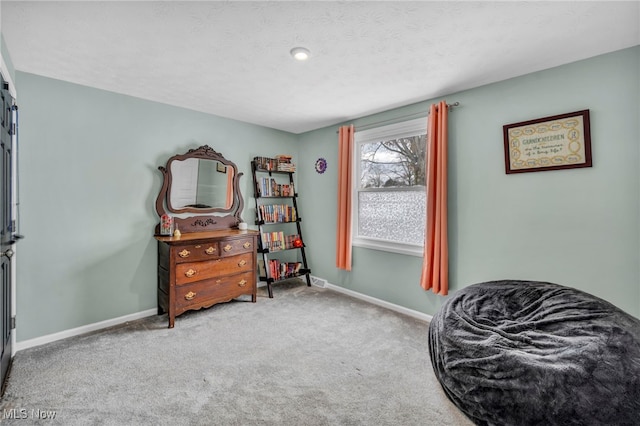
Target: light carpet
{"type": "Point", "coordinates": [309, 356]}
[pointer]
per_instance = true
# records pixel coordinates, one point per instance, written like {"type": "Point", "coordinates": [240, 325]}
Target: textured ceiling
{"type": "Point", "coordinates": [232, 58]}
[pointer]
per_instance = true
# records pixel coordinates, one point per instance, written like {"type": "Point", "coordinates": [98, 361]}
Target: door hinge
{"type": "Point", "coordinates": [13, 322]}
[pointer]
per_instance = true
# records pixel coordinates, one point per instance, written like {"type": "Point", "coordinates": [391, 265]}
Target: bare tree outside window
{"type": "Point", "coordinates": [391, 195]}
{"type": "Point", "coordinates": [393, 163]}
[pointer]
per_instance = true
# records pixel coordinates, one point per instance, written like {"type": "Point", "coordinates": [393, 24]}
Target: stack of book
{"type": "Point", "coordinates": [285, 164]}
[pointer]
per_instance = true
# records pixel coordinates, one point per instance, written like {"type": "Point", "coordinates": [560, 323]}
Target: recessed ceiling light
{"type": "Point", "coordinates": [300, 53]}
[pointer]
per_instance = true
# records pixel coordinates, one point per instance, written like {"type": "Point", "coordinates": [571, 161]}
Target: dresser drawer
{"type": "Point", "coordinates": [195, 252]}
{"type": "Point", "coordinates": [233, 247]}
{"type": "Point", "coordinates": [214, 290]}
{"type": "Point", "coordinates": [195, 271]}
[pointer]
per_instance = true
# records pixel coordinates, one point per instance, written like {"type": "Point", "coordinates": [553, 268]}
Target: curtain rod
{"type": "Point", "coordinates": [402, 117]}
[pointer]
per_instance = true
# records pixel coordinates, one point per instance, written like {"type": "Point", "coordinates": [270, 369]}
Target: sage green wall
{"type": "Point", "coordinates": [7, 59]}
{"type": "Point", "coordinates": [88, 182]}
{"type": "Point", "coordinates": [576, 227]}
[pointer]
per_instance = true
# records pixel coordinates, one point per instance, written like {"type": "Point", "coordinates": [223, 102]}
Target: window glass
{"type": "Point", "coordinates": [396, 216]}
{"type": "Point", "coordinates": [389, 192]}
{"type": "Point", "coordinates": [395, 163]}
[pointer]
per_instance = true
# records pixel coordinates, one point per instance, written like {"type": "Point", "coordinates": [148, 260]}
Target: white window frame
{"type": "Point", "coordinates": [393, 131]}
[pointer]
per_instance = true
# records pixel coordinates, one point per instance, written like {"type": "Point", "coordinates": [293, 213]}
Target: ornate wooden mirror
{"type": "Point", "coordinates": [201, 191]}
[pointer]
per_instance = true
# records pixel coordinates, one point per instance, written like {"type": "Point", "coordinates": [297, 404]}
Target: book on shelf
{"type": "Point", "coordinates": [274, 241]}
{"type": "Point", "coordinates": [279, 270]}
{"type": "Point", "coordinates": [269, 187]}
{"type": "Point", "coordinates": [265, 163]}
{"type": "Point", "coordinates": [277, 213]}
{"type": "Point", "coordinates": [281, 163]}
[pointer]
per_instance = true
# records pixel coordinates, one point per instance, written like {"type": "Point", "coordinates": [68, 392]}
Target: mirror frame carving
{"type": "Point", "coordinates": [203, 219]}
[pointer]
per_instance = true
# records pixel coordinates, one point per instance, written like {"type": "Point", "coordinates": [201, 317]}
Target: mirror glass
{"type": "Point", "coordinates": [200, 184]}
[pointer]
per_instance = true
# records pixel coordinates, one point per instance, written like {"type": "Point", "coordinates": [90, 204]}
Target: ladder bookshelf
{"type": "Point", "coordinates": [278, 221]}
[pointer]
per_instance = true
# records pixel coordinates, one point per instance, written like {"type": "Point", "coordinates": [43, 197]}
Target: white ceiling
{"type": "Point", "coordinates": [232, 58]}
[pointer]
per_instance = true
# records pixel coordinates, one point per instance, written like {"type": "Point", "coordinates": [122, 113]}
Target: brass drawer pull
{"type": "Point", "coordinates": [242, 283]}
{"type": "Point", "coordinates": [246, 245]}
{"type": "Point", "coordinates": [184, 253]}
{"type": "Point", "coordinates": [190, 295]}
{"type": "Point", "coordinates": [242, 262]}
{"type": "Point", "coordinates": [228, 248]}
{"type": "Point", "coordinates": [190, 273]}
{"type": "Point", "coordinates": [210, 250]}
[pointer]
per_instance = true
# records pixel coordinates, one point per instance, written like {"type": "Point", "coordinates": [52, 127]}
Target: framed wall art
{"type": "Point", "coordinates": [549, 143]}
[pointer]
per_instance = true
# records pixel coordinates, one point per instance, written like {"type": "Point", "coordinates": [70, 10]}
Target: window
{"type": "Point", "coordinates": [389, 200]}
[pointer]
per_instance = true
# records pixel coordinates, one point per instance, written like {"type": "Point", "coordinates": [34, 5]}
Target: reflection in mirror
{"type": "Point", "coordinates": [200, 183]}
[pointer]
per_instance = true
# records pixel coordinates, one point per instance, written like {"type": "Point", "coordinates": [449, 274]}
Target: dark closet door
{"type": "Point", "coordinates": [6, 239]}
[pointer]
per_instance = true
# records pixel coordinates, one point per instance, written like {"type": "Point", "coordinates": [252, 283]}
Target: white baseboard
{"type": "Point", "coordinates": [26, 344]}
{"type": "Point", "coordinates": [319, 282]}
{"type": "Point", "coordinates": [397, 308]}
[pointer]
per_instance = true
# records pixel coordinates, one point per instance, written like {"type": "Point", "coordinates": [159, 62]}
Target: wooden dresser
{"type": "Point", "coordinates": [200, 269]}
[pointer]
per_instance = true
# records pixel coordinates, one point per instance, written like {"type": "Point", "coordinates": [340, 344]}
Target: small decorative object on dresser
{"type": "Point", "coordinates": [210, 260]}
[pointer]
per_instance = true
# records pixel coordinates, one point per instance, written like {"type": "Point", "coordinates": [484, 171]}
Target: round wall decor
{"type": "Point", "coordinates": [321, 165]}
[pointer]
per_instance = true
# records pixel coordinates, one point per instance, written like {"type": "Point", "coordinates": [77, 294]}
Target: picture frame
{"type": "Point", "coordinates": [549, 143]}
{"type": "Point", "coordinates": [221, 168]}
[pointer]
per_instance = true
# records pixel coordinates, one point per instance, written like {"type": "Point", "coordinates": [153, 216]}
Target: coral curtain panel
{"type": "Point", "coordinates": [343, 232]}
{"type": "Point", "coordinates": [435, 266]}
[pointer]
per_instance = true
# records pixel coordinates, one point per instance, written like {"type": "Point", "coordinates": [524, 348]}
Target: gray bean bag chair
{"type": "Point", "coordinates": [534, 353]}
